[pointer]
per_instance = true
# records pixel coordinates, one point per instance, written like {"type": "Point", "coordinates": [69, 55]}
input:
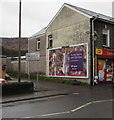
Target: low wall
{"type": "Point", "coordinates": [17, 88]}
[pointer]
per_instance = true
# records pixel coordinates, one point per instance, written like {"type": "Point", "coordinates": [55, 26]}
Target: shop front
{"type": "Point", "coordinates": [104, 65]}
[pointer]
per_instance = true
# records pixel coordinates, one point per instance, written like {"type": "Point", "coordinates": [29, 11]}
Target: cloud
{"type": "Point", "coordinates": [37, 14]}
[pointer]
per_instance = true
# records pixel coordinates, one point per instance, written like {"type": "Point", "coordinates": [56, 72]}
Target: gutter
{"type": "Point", "coordinates": [104, 20]}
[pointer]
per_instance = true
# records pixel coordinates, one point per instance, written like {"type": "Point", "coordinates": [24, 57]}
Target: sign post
{"type": "Point", "coordinates": [32, 57]}
{"type": "Point", "coordinates": [19, 44]}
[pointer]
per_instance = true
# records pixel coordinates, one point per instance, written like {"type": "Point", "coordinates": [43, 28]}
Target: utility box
{"type": "Point", "coordinates": [2, 67]}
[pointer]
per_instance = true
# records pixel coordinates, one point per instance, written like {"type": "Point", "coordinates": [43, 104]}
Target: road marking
{"type": "Point", "coordinates": [89, 103]}
{"type": "Point", "coordinates": [75, 93]}
{"type": "Point", "coordinates": [81, 107]}
{"type": "Point", "coordinates": [59, 113]}
{"type": "Point", "coordinates": [71, 111]}
{"type": "Point", "coordinates": [50, 114]}
{"type": "Point", "coordinates": [103, 101]}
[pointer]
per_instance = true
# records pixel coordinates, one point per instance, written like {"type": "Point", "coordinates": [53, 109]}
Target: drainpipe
{"type": "Point", "coordinates": [93, 49]}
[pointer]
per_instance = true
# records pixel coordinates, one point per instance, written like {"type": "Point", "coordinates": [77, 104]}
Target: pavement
{"type": "Point", "coordinates": [41, 89]}
{"type": "Point", "coordinates": [46, 89]}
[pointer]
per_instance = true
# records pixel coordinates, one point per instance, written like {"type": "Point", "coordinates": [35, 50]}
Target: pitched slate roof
{"type": "Point", "coordinates": [41, 32]}
{"type": "Point", "coordinates": [82, 10]}
{"type": "Point", "coordinates": [92, 14]}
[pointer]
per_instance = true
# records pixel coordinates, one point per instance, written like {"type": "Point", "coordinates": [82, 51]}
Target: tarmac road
{"type": "Point", "coordinates": [84, 102]}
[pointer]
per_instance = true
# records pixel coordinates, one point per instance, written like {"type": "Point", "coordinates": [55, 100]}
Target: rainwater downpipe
{"type": "Point", "coordinates": [93, 49]}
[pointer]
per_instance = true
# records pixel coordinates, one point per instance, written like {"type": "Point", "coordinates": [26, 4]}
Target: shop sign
{"type": "Point", "coordinates": [104, 53]}
{"type": "Point", "coordinates": [99, 51]}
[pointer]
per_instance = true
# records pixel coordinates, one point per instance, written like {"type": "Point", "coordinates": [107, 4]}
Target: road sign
{"type": "Point", "coordinates": [32, 56]}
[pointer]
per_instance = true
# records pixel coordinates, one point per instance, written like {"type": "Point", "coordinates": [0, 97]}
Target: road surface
{"type": "Point", "coordinates": [91, 103]}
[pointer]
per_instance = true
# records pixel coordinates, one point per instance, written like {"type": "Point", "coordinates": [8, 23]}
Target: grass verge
{"type": "Point", "coordinates": [43, 78]}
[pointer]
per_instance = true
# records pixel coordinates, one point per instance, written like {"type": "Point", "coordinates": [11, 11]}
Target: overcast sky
{"type": "Point", "coordinates": [36, 14]}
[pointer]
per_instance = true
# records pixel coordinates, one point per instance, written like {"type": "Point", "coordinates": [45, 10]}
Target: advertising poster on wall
{"type": "Point", "coordinates": [69, 61]}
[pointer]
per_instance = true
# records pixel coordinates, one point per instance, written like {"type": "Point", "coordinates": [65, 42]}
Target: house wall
{"type": "Point", "coordinates": [69, 28]}
{"type": "Point", "coordinates": [38, 66]}
{"type": "Point", "coordinates": [99, 26]}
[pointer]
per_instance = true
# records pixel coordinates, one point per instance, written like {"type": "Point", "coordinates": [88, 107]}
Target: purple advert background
{"type": "Point", "coordinates": [76, 61]}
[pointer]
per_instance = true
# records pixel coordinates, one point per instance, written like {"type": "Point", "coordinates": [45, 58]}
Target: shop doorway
{"type": "Point", "coordinates": [102, 70]}
{"type": "Point", "coordinates": [105, 70]}
{"type": "Point", "coordinates": [109, 70]}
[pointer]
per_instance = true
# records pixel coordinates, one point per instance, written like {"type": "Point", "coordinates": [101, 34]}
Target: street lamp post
{"type": "Point", "coordinates": [19, 44]}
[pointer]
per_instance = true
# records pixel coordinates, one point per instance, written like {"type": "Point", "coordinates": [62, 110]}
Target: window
{"type": "Point", "coordinates": [106, 40]}
{"type": "Point", "coordinates": [105, 37]}
{"type": "Point", "coordinates": [38, 44]}
{"type": "Point", "coordinates": [50, 41]}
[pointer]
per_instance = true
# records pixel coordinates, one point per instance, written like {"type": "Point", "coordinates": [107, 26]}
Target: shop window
{"type": "Point", "coordinates": [50, 41]}
{"type": "Point", "coordinates": [106, 41]}
{"type": "Point", "coordinates": [38, 44]}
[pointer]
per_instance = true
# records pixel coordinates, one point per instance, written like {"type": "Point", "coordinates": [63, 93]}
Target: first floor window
{"type": "Point", "coordinates": [38, 44]}
{"type": "Point", "coordinates": [50, 41]}
{"type": "Point", "coordinates": [106, 38]}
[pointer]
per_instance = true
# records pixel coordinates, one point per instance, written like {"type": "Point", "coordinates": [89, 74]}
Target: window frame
{"type": "Point", "coordinates": [107, 33]}
{"type": "Point", "coordinates": [38, 44]}
{"type": "Point", "coordinates": [50, 41]}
